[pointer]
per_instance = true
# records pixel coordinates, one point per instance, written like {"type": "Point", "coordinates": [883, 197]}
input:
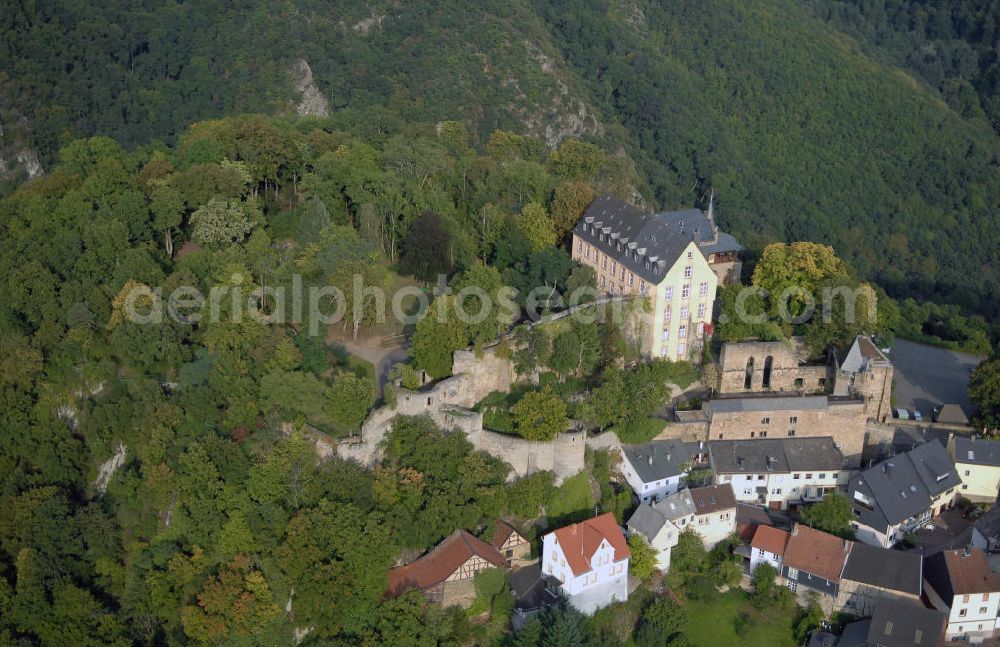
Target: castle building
{"type": "Point", "coordinates": [677, 259]}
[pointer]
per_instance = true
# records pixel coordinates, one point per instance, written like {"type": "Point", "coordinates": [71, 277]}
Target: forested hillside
{"type": "Point", "coordinates": [803, 132]}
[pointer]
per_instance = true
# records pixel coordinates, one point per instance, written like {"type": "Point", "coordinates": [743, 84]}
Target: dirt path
{"type": "Point", "coordinates": [369, 349]}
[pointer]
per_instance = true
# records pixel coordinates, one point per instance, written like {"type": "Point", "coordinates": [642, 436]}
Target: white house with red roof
{"type": "Point", "coordinates": [768, 546]}
{"type": "Point", "coordinates": [590, 560]}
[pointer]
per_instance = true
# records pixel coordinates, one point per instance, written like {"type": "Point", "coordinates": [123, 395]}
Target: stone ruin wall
{"type": "Point", "coordinates": [449, 404]}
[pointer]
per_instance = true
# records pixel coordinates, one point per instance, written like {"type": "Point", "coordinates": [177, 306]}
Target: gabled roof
{"type": "Point", "coordinates": [960, 572]}
{"type": "Point", "coordinates": [897, 623]}
{"type": "Point", "coordinates": [581, 540]}
{"type": "Point", "coordinates": [713, 498]}
{"type": "Point", "coordinates": [816, 552]}
{"type": "Point", "coordinates": [989, 523]}
{"type": "Point", "coordinates": [862, 355]}
{"type": "Point", "coordinates": [648, 244]}
{"type": "Point", "coordinates": [647, 520]}
{"type": "Point", "coordinates": [435, 567]}
{"type": "Point", "coordinates": [902, 486]}
{"type": "Point", "coordinates": [656, 460]}
{"type": "Point", "coordinates": [502, 531]}
{"type": "Point", "coordinates": [977, 452]}
{"type": "Point", "coordinates": [774, 455]}
{"type": "Point", "coordinates": [887, 569]}
{"type": "Point", "coordinates": [771, 540]}
{"type": "Point", "coordinates": [749, 518]}
{"type": "Point", "coordinates": [677, 505]}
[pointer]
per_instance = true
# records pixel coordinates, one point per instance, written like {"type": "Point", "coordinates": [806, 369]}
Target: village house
{"type": "Point", "coordinates": [848, 576]}
{"type": "Point", "coordinates": [874, 574]}
{"type": "Point", "coordinates": [655, 469]}
{"type": "Point", "coordinates": [590, 560]}
{"type": "Point", "coordinates": [660, 523]}
{"type": "Point", "coordinates": [778, 472]}
{"type": "Point", "coordinates": [814, 561]}
{"type": "Point", "coordinates": [675, 259]}
{"type": "Point", "coordinates": [900, 494]}
{"type": "Point", "coordinates": [446, 574]}
{"type": "Point", "coordinates": [960, 584]}
{"type": "Point", "coordinates": [768, 547]}
{"type": "Point", "coordinates": [714, 513]}
{"type": "Point", "coordinates": [978, 465]}
{"type": "Point", "coordinates": [510, 543]}
{"type": "Point", "coordinates": [896, 623]}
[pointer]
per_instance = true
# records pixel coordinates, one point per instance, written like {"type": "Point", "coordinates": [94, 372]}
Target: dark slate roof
{"type": "Point", "coordinates": [778, 455]}
{"type": "Point", "coordinates": [902, 486]}
{"type": "Point", "coordinates": [989, 523]}
{"type": "Point", "coordinates": [647, 244]}
{"type": "Point", "coordinates": [656, 460]}
{"type": "Point", "coordinates": [888, 569]}
{"type": "Point", "coordinates": [897, 623]}
{"type": "Point", "coordinates": [528, 585]}
{"type": "Point", "coordinates": [961, 571]}
{"type": "Point", "coordinates": [695, 220]}
{"type": "Point", "coordinates": [977, 452]}
{"type": "Point", "coordinates": [779, 403]}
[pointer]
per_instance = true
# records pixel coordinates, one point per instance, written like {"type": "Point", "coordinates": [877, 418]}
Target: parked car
{"type": "Point", "coordinates": [902, 414]}
{"type": "Point", "coordinates": [918, 416]}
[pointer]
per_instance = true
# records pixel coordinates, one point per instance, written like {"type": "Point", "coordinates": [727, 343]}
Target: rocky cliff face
{"type": "Point", "coordinates": [17, 160]}
{"type": "Point", "coordinates": [311, 102]}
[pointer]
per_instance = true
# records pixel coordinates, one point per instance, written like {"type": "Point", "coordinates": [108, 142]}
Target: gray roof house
{"type": "Point", "coordinates": [976, 452]}
{"type": "Point", "coordinates": [661, 522]}
{"type": "Point", "coordinates": [900, 493]}
{"type": "Point", "coordinates": [777, 455]}
{"type": "Point", "coordinates": [655, 469]}
{"type": "Point", "coordinates": [896, 623]}
{"type": "Point", "coordinates": [873, 574]}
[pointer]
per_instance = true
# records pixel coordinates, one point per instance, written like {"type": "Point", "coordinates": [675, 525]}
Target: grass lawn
{"type": "Point", "coordinates": [715, 623]}
{"type": "Point", "coordinates": [573, 501]}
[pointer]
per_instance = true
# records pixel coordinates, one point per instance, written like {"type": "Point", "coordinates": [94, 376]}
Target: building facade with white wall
{"type": "Point", "coordinates": [590, 560]}
{"type": "Point", "coordinates": [655, 469]}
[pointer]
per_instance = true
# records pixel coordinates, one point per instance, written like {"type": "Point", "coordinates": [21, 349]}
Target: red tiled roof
{"type": "Point", "coordinates": [446, 558]}
{"type": "Point", "coordinates": [773, 540]}
{"type": "Point", "coordinates": [969, 572]}
{"type": "Point", "coordinates": [817, 552]}
{"type": "Point", "coordinates": [501, 533]}
{"type": "Point", "coordinates": [580, 541]}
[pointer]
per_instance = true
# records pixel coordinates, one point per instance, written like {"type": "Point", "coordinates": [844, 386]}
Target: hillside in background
{"type": "Point", "coordinates": [804, 131]}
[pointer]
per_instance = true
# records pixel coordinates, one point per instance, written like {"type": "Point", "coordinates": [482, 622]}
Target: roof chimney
{"type": "Point", "coordinates": [649, 459]}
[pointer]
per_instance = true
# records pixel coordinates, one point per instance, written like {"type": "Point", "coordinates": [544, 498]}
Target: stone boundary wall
{"type": "Point", "coordinates": [449, 404]}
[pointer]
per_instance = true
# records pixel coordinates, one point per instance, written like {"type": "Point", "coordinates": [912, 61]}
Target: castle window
{"type": "Point", "coordinates": [791, 432]}
{"type": "Point", "coordinates": [642, 286]}
{"type": "Point", "coordinates": [767, 372]}
{"type": "Point", "coordinates": [793, 419]}
{"type": "Point", "coordinates": [748, 376]}
{"type": "Point", "coordinates": [604, 263]}
{"type": "Point", "coordinates": [602, 282]}
{"type": "Point", "coordinates": [766, 420]}
{"type": "Point", "coordinates": [799, 383]}
{"type": "Point", "coordinates": [614, 267]}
